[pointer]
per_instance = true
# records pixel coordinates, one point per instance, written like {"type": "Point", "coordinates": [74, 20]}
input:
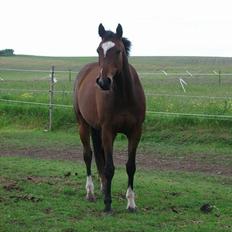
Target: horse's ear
{"type": "Point", "coordinates": [119, 31]}
{"type": "Point", "coordinates": [101, 30]}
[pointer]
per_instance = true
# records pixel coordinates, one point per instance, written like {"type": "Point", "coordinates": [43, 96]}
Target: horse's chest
{"type": "Point", "coordinates": [123, 121]}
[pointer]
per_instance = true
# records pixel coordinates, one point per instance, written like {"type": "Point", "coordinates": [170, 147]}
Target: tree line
{"type": "Point", "coordinates": [7, 52]}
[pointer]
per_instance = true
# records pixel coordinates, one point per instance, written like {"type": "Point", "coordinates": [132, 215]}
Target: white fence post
{"type": "Point", "coordinates": [51, 91]}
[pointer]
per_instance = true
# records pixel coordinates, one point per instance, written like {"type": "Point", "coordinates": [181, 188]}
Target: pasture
{"type": "Point", "coordinates": [184, 160]}
{"type": "Point", "coordinates": [208, 95]}
{"type": "Point", "coordinates": [45, 195]}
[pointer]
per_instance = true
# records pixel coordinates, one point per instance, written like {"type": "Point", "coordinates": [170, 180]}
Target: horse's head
{"type": "Point", "coordinates": [112, 50]}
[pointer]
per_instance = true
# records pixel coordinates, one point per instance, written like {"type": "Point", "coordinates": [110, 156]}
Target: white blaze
{"type": "Point", "coordinates": [130, 195]}
{"type": "Point", "coordinates": [106, 46]}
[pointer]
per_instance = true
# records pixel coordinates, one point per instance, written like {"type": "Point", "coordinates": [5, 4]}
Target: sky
{"type": "Point", "coordinates": [155, 27]}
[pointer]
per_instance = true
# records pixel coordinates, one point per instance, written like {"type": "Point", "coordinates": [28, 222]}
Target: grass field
{"type": "Point", "coordinates": [164, 135]}
{"type": "Point", "coordinates": [38, 195]}
{"type": "Point", "coordinates": [204, 94]}
{"type": "Point", "coordinates": [183, 162]}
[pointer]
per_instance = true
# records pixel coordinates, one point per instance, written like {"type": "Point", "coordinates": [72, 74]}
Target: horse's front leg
{"type": "Point", "coordinates": [107, 142]}
{"type": "Point", "coordinates": [87, 153]}
{"type": "Point", "coordinates": [133, 141]}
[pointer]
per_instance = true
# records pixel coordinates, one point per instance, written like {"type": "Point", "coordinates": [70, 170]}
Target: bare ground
{"type": "Point", "coordinates": [144, 161]}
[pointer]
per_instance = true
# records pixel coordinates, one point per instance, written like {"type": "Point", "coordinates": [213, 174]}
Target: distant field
{"type": "Point", "coordinates": [204, 94]}
{"type": "Point", "coordinates": [142, 64]}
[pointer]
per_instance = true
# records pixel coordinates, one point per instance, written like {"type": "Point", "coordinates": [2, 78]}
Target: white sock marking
{"type": "Point", "coordinates": [130, 195]}
{"type": "Point", "coordinates": [89, 185]}
{"type": "Point", "coordinates": [106, 46]}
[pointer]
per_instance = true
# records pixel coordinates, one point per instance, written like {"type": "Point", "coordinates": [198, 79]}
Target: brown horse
{"type": "Point", "coordinates": [109, 99]}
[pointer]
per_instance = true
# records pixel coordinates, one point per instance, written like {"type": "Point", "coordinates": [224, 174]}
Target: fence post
{"type": "Point", "coordinates": [51, 91]}
{"type": "Point", "coordinates": [70, 75]}
{"type": "Point", "coordinates": [219, 77]}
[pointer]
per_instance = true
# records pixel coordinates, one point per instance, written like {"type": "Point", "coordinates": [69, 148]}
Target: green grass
{"type": "Point", "coordinates": [36, 196]}
{"type": "Point", "coordinates": [17, 139]}
{"type": "Point", "coordinates": [164, 135]}
{"type": "Point", "coordinates": [169, 137]}
{"type": "Point", "coordinates": [207, 86]}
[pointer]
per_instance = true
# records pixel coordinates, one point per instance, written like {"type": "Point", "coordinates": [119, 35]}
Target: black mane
{"type": "Point", "coordinates": [127, 45]}
{"type": "Point", "coordinates": [111, 35]}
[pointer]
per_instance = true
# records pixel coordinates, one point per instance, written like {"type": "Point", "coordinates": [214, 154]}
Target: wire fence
{"type": "Point", "coordinates": [208, 116]}
{"type": "Point", "coordinates": [154, 73]}
{"type": "Point", "coordinates": [164, 74]}
{"type": "Point", "coordinates": [146, 93]}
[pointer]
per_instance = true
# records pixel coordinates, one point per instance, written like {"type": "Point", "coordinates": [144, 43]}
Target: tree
{"type": "Point", "coordinates": [7, 52]}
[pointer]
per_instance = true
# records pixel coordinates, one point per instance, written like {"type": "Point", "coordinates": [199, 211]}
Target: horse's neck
{"type": "Point", "coordinates": [124, 91]}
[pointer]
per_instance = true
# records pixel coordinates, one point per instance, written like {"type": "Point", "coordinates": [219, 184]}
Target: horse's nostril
{"type": "Point", "coordinates": [104, 83]}
{"type": "Point", "coordinates": [108, 81]}
{"type": "Point", "coordinates": [98, 81]}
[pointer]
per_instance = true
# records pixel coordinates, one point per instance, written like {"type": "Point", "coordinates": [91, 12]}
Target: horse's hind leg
{"type": "Point", "coordinates": [133, 141]}
{"type": "Point", "coordinates": [99, 155]}
{"type": "Point", "coordinates": [87, 153]}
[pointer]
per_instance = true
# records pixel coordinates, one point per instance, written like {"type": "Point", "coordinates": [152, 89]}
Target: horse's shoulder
{"type": "Point", "coordinates": [86, 69]}
{"type": "Point", "coordinates": [83, 73]}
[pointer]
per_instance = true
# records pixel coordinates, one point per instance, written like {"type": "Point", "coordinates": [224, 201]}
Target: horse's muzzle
{"type": "Point", "coordinates": [104, 83]}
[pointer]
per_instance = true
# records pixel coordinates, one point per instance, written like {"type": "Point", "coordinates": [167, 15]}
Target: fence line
{"type": "Point", "coordinates": [207, 116]}
{"type": "Point", "coordinates": [188, 96]}
{"type": "Point", "coordinates": [162, 73]}
{"type": "Point", "coordinates": [35, 103]}
{"type": "Point", "coordinates": [184, 74]}
{"type": "Point", "coordinates": [26, 90]}
{"type": "Point", "coordinates": [147, 94]}
{"type": "Point", "coordinates": [36, 90]}
{"type": "Point", "coordinates": [35, 70]}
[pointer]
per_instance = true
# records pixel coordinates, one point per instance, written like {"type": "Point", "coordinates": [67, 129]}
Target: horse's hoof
{"type": "Point", "coordinates": [91, 198]}
{"type": "Point", "coordinates": [108, 210]}
{"type": "Point", "coordinates": [132, 210]}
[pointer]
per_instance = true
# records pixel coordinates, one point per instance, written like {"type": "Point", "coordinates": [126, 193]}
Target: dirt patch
{"type": "Point", "coordinates": [144, 161]}
{"type": "Point", "coordinates": [11, 186]}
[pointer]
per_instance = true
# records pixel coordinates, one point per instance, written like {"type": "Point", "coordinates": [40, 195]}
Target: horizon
{"type": "Point", "coordinates": [196, 56]}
